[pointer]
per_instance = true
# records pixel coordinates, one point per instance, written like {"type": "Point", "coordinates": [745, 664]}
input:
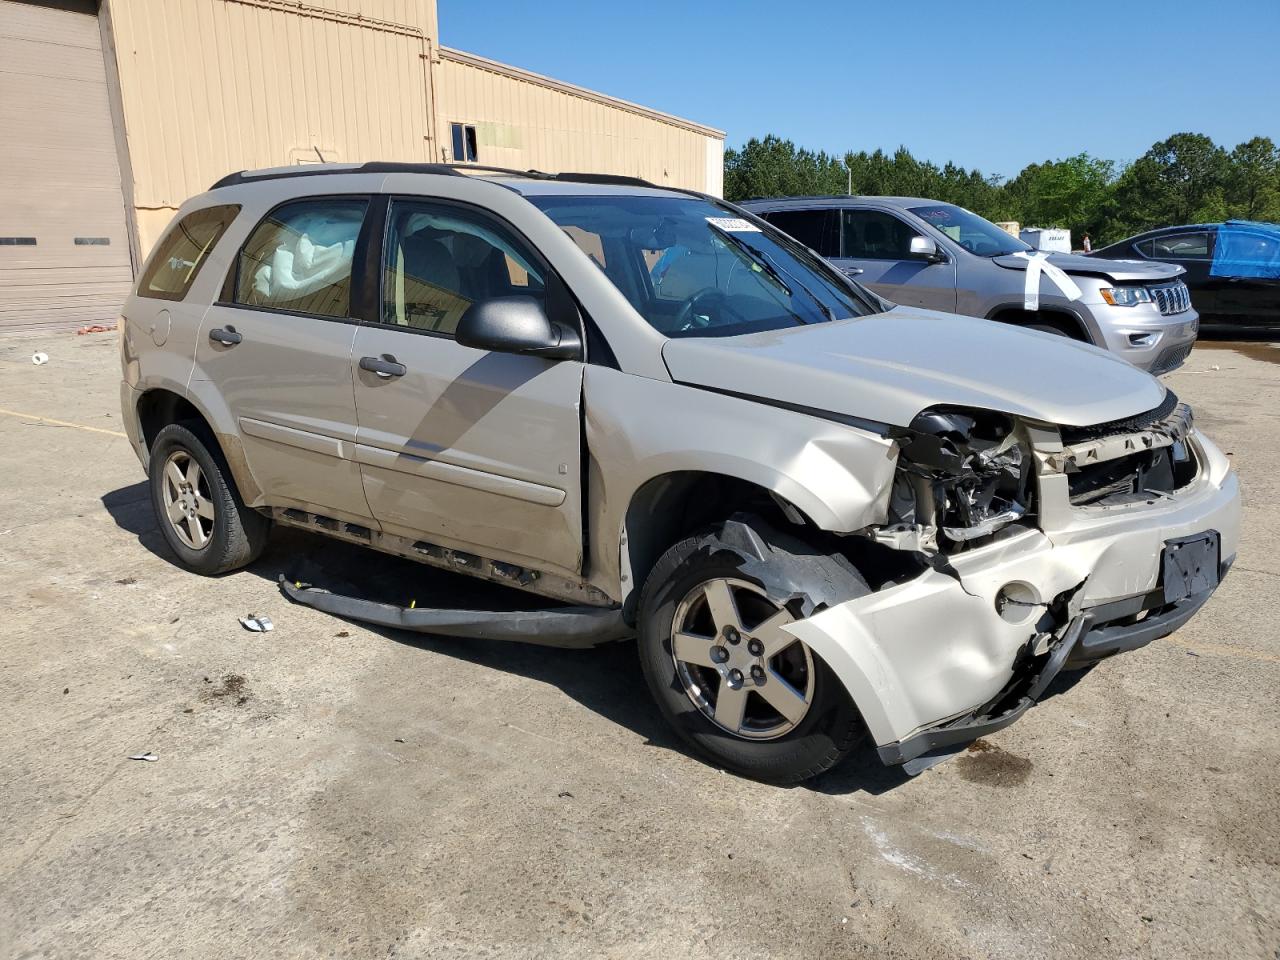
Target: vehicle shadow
{"type": "Point", "coordinates": [606, 680]}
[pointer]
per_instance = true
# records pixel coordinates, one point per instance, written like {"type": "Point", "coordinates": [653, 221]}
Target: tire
{"type": "Point", "coordinates": [1056, 329]}
{"type": "Point", "coordinates": [761, 567]}
{"type": "Point", "coordinates": [213, 531]}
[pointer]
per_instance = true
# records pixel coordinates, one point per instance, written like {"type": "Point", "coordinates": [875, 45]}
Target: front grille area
{"type": "Point", "coordinates": [1173, 298]}
{"type": "Point", "coordinates": [1130, 460]}
{"type": "Point", "coordinates": [1139, 476]}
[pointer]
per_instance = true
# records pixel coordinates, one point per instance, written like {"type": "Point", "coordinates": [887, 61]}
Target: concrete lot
{"type": "Point", "coordinates": [330, 790]}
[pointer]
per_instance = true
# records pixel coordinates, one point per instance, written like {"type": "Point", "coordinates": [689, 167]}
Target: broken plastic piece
{"type": "Point", "coordinates": [568, 626]}
{"type": "Point", "coordinates": [256, 623]}
{"type": "Point", "coordinates": [39, 357]}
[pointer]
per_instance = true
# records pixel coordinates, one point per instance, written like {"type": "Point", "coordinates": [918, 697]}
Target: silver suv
{"type": "Point", "coordinates": [827, 525]}
{"type": "Point", "coordinates": [922, 253]}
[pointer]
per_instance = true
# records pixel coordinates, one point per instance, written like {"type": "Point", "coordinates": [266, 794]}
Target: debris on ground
{"type": "Point", "coordinates": [148, 757]}
{"type": "Point", "coordinates": [96, 328]}
{"type": "Point", "coordinates": [39, 358]}
{"type": "Point", "coordinates": [256, 623]}
{"type": "Point", "coordinates": [234, 688]}
{"type": "Point", "coordinates": [565, 794]}
{"type": "Point", "coordinates": [126, 581]}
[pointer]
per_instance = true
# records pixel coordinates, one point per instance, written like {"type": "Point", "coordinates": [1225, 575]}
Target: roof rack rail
{"type": "Point", "coordinates": [445, 169]}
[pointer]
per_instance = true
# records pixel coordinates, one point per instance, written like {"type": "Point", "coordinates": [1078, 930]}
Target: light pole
{"type": "Point", "coordinates": [849, 170]}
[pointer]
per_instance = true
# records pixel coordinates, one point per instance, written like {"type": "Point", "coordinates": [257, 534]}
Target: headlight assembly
{"type": "Point", "coordinates": [1125, 296]}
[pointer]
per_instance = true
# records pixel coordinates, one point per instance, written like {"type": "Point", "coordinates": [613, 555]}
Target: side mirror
{"type": "Point", "coordinates": [517, 325]}
{"type": "Point", "coordinates": [923, 248]}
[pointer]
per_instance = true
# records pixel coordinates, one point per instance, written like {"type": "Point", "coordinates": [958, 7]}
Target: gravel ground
{"type": "Point", "coordinates": [332, 790]}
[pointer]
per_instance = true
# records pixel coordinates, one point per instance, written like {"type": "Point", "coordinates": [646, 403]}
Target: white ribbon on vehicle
{"type": "Point", "coordinates": [1038, 263]}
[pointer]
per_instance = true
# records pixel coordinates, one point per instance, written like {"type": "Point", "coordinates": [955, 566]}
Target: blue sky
{"type": "Point", "coordinates": [1027, 82]}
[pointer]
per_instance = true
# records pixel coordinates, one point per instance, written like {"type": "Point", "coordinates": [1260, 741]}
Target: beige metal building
{"type": "Point", "coordinates": [112, 112]}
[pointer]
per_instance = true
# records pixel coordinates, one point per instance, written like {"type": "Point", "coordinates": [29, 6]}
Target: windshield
{"type": "Point", "coordinates": [693, 268]}
{"type": "Point", "coordinates": [969, 230]}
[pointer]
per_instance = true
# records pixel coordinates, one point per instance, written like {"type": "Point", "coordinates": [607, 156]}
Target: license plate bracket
{"type": "Point", "coordinates": [1189, 565]}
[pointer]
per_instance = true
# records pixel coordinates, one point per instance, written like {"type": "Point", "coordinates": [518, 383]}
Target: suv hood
{"type": "Point", "coordinates": [1118, 271]}
{"type": "Point", "coordinates": [887, 367]}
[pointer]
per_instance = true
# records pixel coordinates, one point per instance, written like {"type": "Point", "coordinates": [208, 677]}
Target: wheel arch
{"type": "Point", "coordinates": [668, 507]}
{"type": "Point", "coordinates": [160, 406]}
{"type": "Point", "coordinates": [1015, 314]}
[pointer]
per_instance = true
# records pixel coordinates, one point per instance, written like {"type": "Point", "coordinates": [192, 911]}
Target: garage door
{"type": "Point", "coordinates": [64, 252]}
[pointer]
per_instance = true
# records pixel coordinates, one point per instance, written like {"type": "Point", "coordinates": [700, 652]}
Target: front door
{"type": "Point", "coordinates": [875, 248]}
{"type": "Point", "coordinates": [462, 447]}
{"type": "Point", "coordinates": [279, 354]}
{"type": "Point", "coordinates": [1193, 251]}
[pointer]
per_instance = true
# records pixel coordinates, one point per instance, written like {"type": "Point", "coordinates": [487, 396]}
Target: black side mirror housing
{"type": "Point", "coordinates": [517, 324]}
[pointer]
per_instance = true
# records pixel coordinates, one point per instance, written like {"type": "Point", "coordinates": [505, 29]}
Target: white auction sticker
{"type": "Point", "coordinates": [733, 224]}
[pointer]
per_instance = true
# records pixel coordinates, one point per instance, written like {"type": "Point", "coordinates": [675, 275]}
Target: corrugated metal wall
{"type": "Point", "coordinates": [213, 86]}
{"type": "Point", "coordinates": [64, 246]}
{"type": "Point", "coordinates": [524, 120]}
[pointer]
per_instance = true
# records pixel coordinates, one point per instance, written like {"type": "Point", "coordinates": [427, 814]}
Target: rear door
{"type": "Point", "coordinates": [277, 347]}
{"type": "Point", "coordinates": [462, 447]}
{"type": "Point", "coordinates": [1250, 294]}
{"type": "Point", "coordinates": [818, 228]}
{"type": "Point", "coordinates": [875, 247]}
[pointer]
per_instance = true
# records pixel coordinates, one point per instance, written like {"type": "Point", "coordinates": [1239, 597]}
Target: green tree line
{"type": "Point", "coordinates": [1184, 179]}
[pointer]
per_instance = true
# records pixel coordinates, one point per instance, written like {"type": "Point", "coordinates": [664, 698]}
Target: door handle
{"type": "Point", "coordinates": [851, 271]}
{"type": "Point", "coordinates": [226, 336]}
{"type": "Point", "coordinates": [384, 366]}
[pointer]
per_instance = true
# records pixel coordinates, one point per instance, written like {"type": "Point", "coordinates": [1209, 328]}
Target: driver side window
{"type": "Point", "coordinates": [439, 259]}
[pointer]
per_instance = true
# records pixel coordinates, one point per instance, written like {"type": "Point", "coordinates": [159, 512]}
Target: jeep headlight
{"type": "Point", "coordinates": [1125, 296]}
{"type": "Point", "coordinates": [963, 473]}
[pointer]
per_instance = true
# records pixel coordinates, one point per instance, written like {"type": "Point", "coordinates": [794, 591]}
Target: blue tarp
{"type": "Point", "coordinates": [1246, 248]}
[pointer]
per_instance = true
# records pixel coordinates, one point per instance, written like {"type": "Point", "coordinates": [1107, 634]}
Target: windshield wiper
{"type": "Point", "coordinates": [766, 263]}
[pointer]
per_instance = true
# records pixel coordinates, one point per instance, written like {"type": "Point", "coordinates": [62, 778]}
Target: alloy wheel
{"type": "Point", "coordinates": [737, 665]}
{"type": "Point", "coordinates": [187, 505]}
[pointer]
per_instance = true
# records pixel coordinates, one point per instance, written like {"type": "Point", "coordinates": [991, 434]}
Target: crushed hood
{"type": "Point", "coordinates": [1118, 271]}
{"type": "Point", "coordinates": [889, 366]}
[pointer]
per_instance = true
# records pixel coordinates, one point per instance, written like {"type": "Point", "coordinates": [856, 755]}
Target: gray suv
{"type": "Point", "coordinates": [922, 253]}
{"type": "Point", "coordinates": [827, 526]}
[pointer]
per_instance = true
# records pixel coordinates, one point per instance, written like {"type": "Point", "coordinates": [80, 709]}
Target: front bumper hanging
{"type": "Point", "coordinates": [1091, 635]}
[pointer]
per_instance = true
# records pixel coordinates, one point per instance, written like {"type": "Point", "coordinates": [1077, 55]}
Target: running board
{"type": "Point", "coordinates": [571, 627]}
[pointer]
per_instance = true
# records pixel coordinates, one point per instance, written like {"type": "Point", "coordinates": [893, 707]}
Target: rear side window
{"type": "Point", "coordinates": [1179, 246]}
{"type": "Point", "coordinates": [819, 230]}
{"type": "Point", "coordinates": [298, 259]}
{"type": "Point", "coordinates": [179, 256]}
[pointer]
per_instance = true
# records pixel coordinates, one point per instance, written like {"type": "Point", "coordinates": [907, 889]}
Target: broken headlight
{"type": "Point", "coordinates": [962, 475]}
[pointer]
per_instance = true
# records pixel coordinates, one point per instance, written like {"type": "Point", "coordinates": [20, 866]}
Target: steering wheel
{"type": "Point", "coordinates": [708, 298]}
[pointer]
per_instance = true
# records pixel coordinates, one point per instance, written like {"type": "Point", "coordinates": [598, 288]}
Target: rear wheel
{"type": "Point", "coordinates": [726, 675]}
{"type": "Point", "coordinates": [199, 510]}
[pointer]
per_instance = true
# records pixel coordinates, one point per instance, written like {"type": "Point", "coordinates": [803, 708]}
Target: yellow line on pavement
{"type": "Point", "coordinates": [60, 423]}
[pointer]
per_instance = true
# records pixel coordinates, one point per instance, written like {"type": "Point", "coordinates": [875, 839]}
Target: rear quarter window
{"type": "Point", "coordinates": [180, 255]}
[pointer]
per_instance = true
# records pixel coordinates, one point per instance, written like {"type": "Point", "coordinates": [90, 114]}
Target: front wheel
{"type": "Point", "coordinates": [727, 676]}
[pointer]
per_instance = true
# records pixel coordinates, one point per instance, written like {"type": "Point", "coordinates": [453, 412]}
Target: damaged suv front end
{"type": "Point", "coordinates": [1047, 548]}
